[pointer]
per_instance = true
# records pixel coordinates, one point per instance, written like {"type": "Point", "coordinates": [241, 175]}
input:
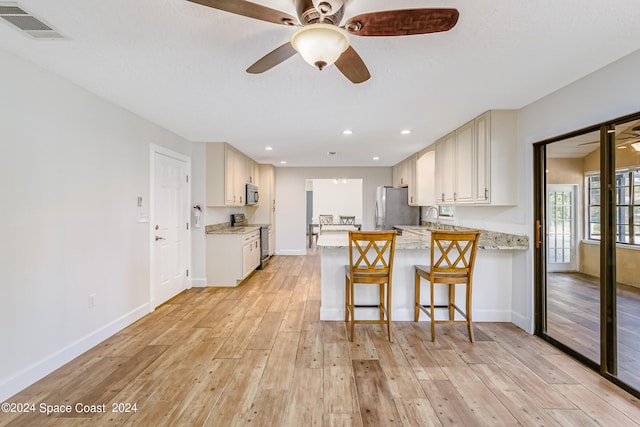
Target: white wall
{"type": "Point", "coordinates": [291, 201]}
{"type": "Point", "coordinates": [337, 197]}
{"type": "Point", "coordinates": [71, 169]}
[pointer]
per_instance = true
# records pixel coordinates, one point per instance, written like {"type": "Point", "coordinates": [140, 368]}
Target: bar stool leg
{"type": "Point", "coordinates": [381, 304]}
{"type": "Point", "coordinates": [468, 313]}
{"type": "Point", "coordinates": [452, 301]}
{"type": "Point", "coordinates": [433, 314]}
{"type": "Point", "coordinates": [347, 302]}
{"type": "Point", "coordinates": [389, 311]}
{"type": "Point", "coordinates": [416, 314]}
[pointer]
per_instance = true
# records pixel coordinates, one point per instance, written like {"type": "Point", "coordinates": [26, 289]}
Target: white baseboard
{"type": "Point", "coordinates": [199, 283]}
{"type": "Point", "coordinates": [292, 252]}
{"type": "Point", "coordinates": [42, 368]}
{"type": "Point", "coordinates": [523, 322]}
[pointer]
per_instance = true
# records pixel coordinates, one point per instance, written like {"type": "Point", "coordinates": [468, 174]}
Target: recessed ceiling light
{"type": "Point", "coordinates": [283, 162]}
{"type": "Point", "coordinates": [268, 148]}
{"type": "Point", "coordinates": [347, 132]}
{"type": "Point", "coordinates": [376, 158]}
{"type": "Point", "coordinates": [405, 132]}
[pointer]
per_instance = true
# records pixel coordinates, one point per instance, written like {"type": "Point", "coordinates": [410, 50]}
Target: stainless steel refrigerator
{"type": "Point", "coordinates": [392, 208]}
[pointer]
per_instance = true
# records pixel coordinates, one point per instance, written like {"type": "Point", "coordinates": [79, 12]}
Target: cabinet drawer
{"type": "Point", "coordinates": [254, 235]}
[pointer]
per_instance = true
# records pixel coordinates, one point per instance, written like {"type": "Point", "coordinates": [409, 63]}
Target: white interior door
{"type": "Point", "coordinates": [562, 233]}
{"type": "Point", "coordinates": [170, 218]}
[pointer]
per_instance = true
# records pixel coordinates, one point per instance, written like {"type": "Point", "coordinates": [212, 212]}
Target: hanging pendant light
{"type": "Point", "coordinates": [320, 44]}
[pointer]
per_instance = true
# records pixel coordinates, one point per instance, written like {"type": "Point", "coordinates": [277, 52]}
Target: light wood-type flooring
{"type": "Point", "coordinates": [258, 355]}
{"type": "Point", "coordinates": [573, 318]}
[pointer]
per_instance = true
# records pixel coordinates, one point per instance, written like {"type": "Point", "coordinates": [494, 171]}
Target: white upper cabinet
{"type": "Point", "coordinates": [476, 163]}
{"type": "Point", "coordinates": [496, 149]}
{"type": "Point", "coordinates": [445, 171]}
{"type": "Point", "coordinates": [416, 172]}
{"type": "Point", "coordinates": [464, 164]}
{"type": "Point", "coordinates": [425, 178]}
{"type": "Point", "coordinates": [228, 172]}
{"type": "Point", "coordinates": [252, 172]}
{"type": "Point", "coordinates": [404, 175]}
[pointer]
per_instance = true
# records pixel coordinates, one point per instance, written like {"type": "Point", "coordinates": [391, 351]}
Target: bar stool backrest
{"type": "Point", "coordinates": [453, 251]}
{"type": "Point", "coordinates": [371, 255]}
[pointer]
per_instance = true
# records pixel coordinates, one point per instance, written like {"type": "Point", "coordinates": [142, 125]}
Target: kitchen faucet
{"type": "Point", "coordinates": [437, 215]}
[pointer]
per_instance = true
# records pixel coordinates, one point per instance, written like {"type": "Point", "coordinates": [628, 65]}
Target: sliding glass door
{"type": "Point", "coordinates": [587, 211]}
{"type": "Point", "coordinates": [571, 260]}
{"type": "Point", "coordinates": [627, 255]}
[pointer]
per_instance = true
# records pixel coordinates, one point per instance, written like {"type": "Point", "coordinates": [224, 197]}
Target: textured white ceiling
{"type": "Point", "coordinates": [182, 65]}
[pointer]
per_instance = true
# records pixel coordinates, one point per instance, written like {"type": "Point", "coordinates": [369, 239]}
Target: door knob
{"type": "Point", "coordinates": [159, 238]}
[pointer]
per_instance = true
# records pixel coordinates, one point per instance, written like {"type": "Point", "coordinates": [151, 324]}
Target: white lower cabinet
{"type": "Point", "coordinates": [231, 257]}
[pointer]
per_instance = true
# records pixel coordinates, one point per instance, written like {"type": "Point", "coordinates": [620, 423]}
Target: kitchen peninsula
{"type": "Point", "coordinates": [492, 281]}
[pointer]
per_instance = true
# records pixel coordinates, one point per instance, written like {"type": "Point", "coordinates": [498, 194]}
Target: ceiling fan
{"type": "Point", "coordinates": [621, 142]}
{"type": "Point", "coordinates": [634, 139]}
{"type": "Point", "coordinates": [322, 41]}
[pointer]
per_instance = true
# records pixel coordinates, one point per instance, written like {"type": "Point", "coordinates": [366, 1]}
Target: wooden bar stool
{"type": "Point", "coordinates": [453, 255]}
{"type": "Point", "coordinates": [370, 263]}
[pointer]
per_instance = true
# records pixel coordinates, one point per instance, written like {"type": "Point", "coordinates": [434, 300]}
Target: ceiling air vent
{"type": "Point", "coordinates": [26, 22]}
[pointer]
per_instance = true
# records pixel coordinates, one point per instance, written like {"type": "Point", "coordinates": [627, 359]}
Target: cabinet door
{"type": "Point", "coordinates": [395, 175]}
{"type": "Point", "coordinates": [256, 253]}
{"type": "Point", "coordinates": [247, 260]}
{"type": "Point", "coordinates": [240, 178]}
{"type": "Point", "coordinates": [403, 174]}
{"type": "Point", "coordinates": [425, 175]}
{"type": "Point", "coordinates": [464, 164]}
{"type": "Point", "coordinates": [253, 172]}
{"type": "Point", "coordinates": [449, 169]}
{"type": "Point", "coordinates": [230, 191]}
{"type": "Point", "coordinates": [410, 172]}
{"type": "Point", "coordinates": [482, 158]}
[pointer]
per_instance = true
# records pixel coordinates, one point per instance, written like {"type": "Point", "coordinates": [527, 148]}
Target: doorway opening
{"type": "Point", "coordinates": [338, 198]}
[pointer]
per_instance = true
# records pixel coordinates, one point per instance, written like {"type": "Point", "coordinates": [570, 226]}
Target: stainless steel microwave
{"type": "Point", "coordinates": [252, 195]}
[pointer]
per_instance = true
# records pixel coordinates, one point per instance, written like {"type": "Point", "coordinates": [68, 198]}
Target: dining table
{"type": "Point", "coordinates": [331, 228]}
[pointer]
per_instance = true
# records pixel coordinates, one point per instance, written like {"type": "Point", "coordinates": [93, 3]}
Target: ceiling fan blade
{"type": "Point", "coordinates": [404, 22]}
{"type": "Point", "coordinates": [251, 10]}
{"type": "Point", "coordinates": [589, 143]}
{"type": "Point", "coordinates": [352, 66]}
{"type": "Point", "coordinates": [629, 141]}
{"type": "Point", "coordinates": [272, 59]}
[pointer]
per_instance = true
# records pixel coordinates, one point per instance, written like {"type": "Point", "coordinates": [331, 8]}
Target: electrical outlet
{"type": "Point", "coordinates": [92, 300]}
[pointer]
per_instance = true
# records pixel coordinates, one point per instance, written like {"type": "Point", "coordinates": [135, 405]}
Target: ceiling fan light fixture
{"type": "Point", "coordinates": [320, 45]}
{"type": "Point", "coordinates": [636, 146]}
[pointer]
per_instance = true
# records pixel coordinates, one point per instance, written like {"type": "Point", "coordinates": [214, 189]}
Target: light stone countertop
{"type": "Point", "coordinates": [419, 237]}
{"type": "Point", "coordinates": [227, 229]}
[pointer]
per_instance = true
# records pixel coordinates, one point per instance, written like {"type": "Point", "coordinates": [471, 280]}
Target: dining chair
{"type": "Point", "coordinates": [453, 255]}
{"type": "Point", "coordinates": [345, 219]}
{"type": "Point", "coordinates": [370, 263]}
{"type": "Point", "coordinates": [325, 220]}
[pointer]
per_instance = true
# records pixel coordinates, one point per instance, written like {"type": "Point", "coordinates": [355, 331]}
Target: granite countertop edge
{"type": "Point", "coordinates": [226, 228]}
{"type": "Point", "coordinates": [489, 240]}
